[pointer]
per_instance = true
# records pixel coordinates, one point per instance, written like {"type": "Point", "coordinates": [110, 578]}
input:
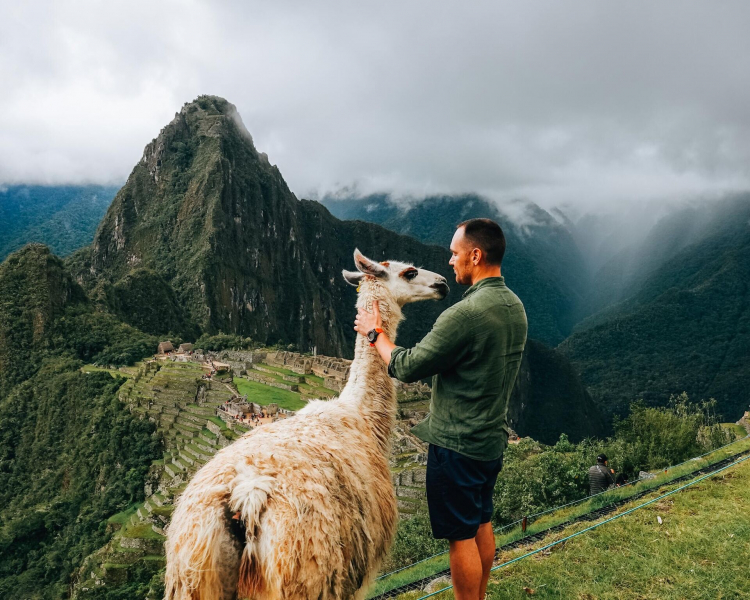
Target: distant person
{"type": "Point", "coordinates": [472, 353]}
{"type": "Point", "coordinates": [601, 477]}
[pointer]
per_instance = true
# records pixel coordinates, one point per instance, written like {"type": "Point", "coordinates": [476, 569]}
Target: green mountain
{"type": "Point", "coordinates": [549, 399]}
{"type": "Point", "coordinates": [70, 452]}
{"type": "Point", "coordinates": [206, 236]}
{"type": "Point", "coordinates": [684, 327]}
{"type": "Point", "coordinates": [542, 263]}
{"type": "Point", "coordinates": [64, 218]}
{"type": "Point", "coordinates": [630, 256]}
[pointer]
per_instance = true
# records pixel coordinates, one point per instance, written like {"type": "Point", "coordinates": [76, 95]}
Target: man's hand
{"type": "Point", "coordinates": [367, 321]}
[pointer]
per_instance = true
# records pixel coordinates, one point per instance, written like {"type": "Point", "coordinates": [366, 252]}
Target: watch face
{"type": "Point", "coordinates": [372, 335]}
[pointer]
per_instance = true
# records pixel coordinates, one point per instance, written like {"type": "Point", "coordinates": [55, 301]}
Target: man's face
{"type": "Point", "coordinates": [461, 257]}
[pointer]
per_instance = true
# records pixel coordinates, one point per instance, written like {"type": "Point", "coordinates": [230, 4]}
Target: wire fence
{"type": "Point", "coordinates": [528, 519]}
{"type": "Point", "coordinates": [419, 584]}
{"type": "Point", "coordinates": [587, 529]}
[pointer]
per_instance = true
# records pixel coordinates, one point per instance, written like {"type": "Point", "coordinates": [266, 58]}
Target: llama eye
{"type": "Point", "coordinates": [410, 274]}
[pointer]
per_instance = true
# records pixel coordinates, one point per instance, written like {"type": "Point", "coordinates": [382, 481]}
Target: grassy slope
{"type": "Point", "coordinates": [701, 550]}
{"type": "Point", "coordinates": [265, 394]}
{"type": "Point", "coordinates": [508, 534]}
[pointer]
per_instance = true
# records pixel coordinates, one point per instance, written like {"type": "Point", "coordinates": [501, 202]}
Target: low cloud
{"type": "Point", "coordinates": [585, 104]}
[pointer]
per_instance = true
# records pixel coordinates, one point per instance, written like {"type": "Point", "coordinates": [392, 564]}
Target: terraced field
{"type": "Point", "coordinates": [183, 405]}
{"type": "Point", "coordinates": [307, 387]}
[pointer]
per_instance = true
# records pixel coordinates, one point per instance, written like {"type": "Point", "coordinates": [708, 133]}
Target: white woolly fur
{"type": "Point", "coordinates": [314, 491]}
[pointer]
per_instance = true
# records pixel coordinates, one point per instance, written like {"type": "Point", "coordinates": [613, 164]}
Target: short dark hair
{"type": "Point", "coordinates": [602, 458]}
{"type": "Point", "coordinates": [486, 235]}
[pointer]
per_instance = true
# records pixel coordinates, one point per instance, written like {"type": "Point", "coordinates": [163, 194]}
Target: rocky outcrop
{"type": "Point", "coordinates": [226, 246]}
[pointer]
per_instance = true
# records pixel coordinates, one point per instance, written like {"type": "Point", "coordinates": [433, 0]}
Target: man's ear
{"type": "Point", "coordinates": [369, 267]}
{"type": "Point", "coordinates": [352, 278]}
{"type": "Point", "coordinates": [477, 252]}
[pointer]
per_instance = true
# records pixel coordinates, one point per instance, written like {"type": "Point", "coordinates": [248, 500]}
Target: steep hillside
{"type": "Point", "coordinates": [35, 290]}
{"type": "Point", "coordinates": [693, 544]}
{"type": "Point", "coordinates": [45, 313]}
{"type": "Point", "coordinates": [542, 263]}
{"type": "Point", "coordinates": [225, 246]}
{"type": "Point", "coordinates": [62, 217]}
{"type": "Point", "coordinates": [649, 247]}
{"type": "Point", "coordinates": [70, 454]}
{"type": "Point", "coordinates": [549, 399]}
{"type": "Point", "coordinates": [687, 327]}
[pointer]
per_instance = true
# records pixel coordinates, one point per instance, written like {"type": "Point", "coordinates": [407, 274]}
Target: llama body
{"type": "Point", "coordinates": [313, 491]}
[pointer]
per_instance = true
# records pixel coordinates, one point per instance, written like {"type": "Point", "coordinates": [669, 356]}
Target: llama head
{"type": "Point", "coordinates": [406, 283]}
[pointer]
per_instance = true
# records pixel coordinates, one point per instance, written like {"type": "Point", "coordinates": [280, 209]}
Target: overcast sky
{"type": "Point", "coordinates": [585, 103]}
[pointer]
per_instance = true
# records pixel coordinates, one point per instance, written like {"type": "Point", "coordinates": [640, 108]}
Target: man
{"type": "Point", "coordinates": [473, 353]}
{"type": "Point", "coordinates": [601, 477]}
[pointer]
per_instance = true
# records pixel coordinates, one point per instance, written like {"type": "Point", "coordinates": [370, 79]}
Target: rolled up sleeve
{"type": "Point", "coordinates": [440, 349]}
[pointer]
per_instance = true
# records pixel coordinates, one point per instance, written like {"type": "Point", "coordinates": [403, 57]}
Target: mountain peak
{"type": "Point", "coordinates": [204, 118]}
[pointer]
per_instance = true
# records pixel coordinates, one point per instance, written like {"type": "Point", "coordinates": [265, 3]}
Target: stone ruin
{"type": "Point", "coordinates": [334, 371]}
{"type": "Point", "coordinates": [237, 408]}
{"type": "Point", "coordinates": [745, 421]}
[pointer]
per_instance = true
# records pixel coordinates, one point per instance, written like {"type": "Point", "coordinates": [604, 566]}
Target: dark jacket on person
{"type": "Point", "coordinates": [600, 478]}
{"type": "Point", "coordinates": [473, 354]}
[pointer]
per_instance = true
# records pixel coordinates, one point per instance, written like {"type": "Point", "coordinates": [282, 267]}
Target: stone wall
{"type": "Point", "coordinates": [267, 381]}
{"type": "Point", "coordinates": [745, 421]}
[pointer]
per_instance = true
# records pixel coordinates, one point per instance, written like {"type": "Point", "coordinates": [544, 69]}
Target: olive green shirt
{"type": "Point", "coordinates": [473, 353]}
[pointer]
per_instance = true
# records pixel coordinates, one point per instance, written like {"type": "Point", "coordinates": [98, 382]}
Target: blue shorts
{"type": "Point", "coordinates": [459, 492]}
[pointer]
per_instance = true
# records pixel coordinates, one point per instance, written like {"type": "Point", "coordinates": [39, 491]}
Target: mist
{"type": "Point", "coordinates": [592, 107]}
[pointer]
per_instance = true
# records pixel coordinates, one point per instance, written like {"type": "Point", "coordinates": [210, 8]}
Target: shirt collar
{"type": "Point", "coordinates": [483, 283]}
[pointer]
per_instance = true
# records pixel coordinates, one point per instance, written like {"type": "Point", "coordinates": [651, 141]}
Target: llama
{"type": "Point", "coordinates": [313, 493]}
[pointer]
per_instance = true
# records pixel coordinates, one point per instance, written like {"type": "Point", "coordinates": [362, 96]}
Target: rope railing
{"type": "Point", "coordinates": [587, 529]}
{"type": "Point", "coordinates": [524, 521]}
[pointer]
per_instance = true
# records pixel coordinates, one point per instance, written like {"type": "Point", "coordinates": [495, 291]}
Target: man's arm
{"type": "Point", "coordinates": [367, 321]}
{"type": "Point", "coordinates": [440, 349]}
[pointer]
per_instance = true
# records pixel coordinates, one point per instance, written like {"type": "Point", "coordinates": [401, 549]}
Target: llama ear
{"type": "Point", "coordinates": [352, 278]}
{"type": "Point", "coordinates": [369, 267]}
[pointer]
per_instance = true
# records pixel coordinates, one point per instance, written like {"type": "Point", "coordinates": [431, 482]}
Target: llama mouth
{"type": "Point", "coordinates": [442, 288]}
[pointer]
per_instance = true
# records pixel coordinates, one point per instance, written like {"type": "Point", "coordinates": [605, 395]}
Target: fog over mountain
{"type": "Point", "coordinates": [585, 105]}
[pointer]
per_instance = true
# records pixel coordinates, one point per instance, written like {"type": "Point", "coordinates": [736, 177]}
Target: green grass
{"type": "Point", "coordinates": [273, 377]}
{"type": "Point", "coordinates": [506, 536]}
{"type": "Point", "coordinates": [738, 430]}
{"type": "Point", "coordinates": [319, 390]}
{"type": "Point", "coordinates": [266, 394]}
{"type": "Point", "coordinates": [142, 531]}
{"type": "Point", "coordinates": [280, 370]}
{"type": "Point", "coordinates": [701, 550]}
{"type": "Point", "coordinates": [123, 517]}
{"type": "Point", "coordinates": [208, 434]}
{"type": "Point", "coordinates": [217, 421]}
{"type": "Point", "coordinates": [319, 381]}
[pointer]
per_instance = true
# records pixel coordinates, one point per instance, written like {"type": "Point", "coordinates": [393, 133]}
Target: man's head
{"type": "Point", "coordinates": [477, 247]}
{"type": "Point", "coordinates": [602, 459]}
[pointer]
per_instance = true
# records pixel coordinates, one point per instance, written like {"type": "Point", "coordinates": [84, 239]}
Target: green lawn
{"type": "Point", "coordinates": [507, 535]}
{"type": "Point", "coordinates": [266, 394]}
{"type": "Point", "coordinates": [700, 550]}
{"type": "Point", "coordinates": [318, 390]}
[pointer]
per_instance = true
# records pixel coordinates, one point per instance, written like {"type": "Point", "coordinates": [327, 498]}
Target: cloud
{"type": "Point", "coordinates": [583, 103]}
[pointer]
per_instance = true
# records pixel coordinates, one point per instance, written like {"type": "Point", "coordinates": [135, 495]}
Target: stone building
{"type": "Point", "coordinates": [164, 347]}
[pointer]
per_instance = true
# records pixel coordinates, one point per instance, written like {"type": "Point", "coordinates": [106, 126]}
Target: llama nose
{"type": "Point", "coordinates": [441, 286]}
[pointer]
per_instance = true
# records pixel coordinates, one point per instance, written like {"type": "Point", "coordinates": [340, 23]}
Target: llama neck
{"type": "Point", "coordinates": [369, 383]}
